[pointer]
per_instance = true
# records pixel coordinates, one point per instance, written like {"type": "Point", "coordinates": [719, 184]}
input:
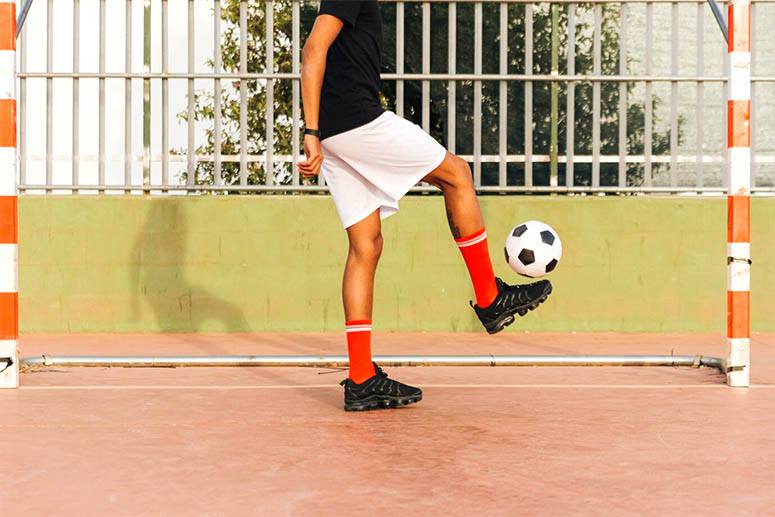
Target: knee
{"type": "Point", "coordinates": [368, 249]}
{"type": "Point", "coordinates": [459, 176]}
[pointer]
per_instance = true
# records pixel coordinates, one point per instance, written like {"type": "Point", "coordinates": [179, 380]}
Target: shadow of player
{"type": "Point", "coordinates": [159, 276]}
{"type": "Point", "coordinates": [160, 265]}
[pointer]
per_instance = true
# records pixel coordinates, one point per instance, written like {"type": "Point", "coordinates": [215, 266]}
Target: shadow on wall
{"type": "Point", "coordinates": [159, 277]}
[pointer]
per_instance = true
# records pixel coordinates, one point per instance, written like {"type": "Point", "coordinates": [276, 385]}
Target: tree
{"type": "Point", "coordinates": [438, 105]}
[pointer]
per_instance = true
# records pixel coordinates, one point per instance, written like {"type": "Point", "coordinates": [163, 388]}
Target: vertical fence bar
{"type": "Point", "coordinates": [478, 95]}
{"type": "Point", "coordinates": [426, 65]}
{"type": "Point", "coordinates": [191, 122]}
{"type": "Point", "coordinates": [622, 181]}
{"type": "Point", "coordinates": [555, 100]}
{"type": "Point", "coordinates": [724, 113]}
{"type": "Point", "coordinates": [269, 18]}
{"type": "Point", "coordinates": [400, 58]}
{"type": "Point", "coordinates": [147, 31]}
{"type": "Point", "coordinates": [165, 95]}
{"type": "Point", "coordinates": [128, 97]}
{"type": "Point", "coordinates": [295, 44]}
{"type": "Point", "coordinates": [49, 94]}
{"type": "Point", "coordinates": [243, 93]}
{"type": "Point", "coordinates": [570, 105]}
{"type": "Point", "coordinates": [648, 123]}
{"type": "Point", "coordinates": [217, 69]}
{"type": "Point", "coordinates": [596, 70]}
{"type": "Point", "coordinates": [9, 297]}
{"type": "Point", "coordinates": [101, 123]}
{"type": "Point", "coordinates": [700, 99]}
{"type": "Point", "coordinates": [451, 85]}
{"type": "Point", "coordinates": [503, 104]}
{"type": "Point", "coordinates": [22, 116]}
{"type": "Point", "coordinates": [528, 95]}
{"type": "Point", "coordinates": [674, 46]}
{"type": "Point", "coordinates": [76, 92]}
{"type": "Point", "coordinates": [754, 17]}
{"type": "Point", "coordinates": [739, 204]}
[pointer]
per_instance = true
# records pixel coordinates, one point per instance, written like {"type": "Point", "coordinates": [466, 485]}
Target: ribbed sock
{"type": "Point", "coordinates": [359, 350]}
{"type": "Point", "coordinates": [477, 258]}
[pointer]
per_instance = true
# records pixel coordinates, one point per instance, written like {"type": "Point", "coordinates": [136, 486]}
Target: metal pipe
{"type": "Point", "coordinates": [320, 188]}
{"type": "Point", "coordinates": [570, 99]}
{"type": "Point", "coordinates": [486, 158]}
{"type": "Point", "coordinates": [391, 360]}
{"type": "Point", "coordinates": [477, 122]}
{"type": "Point", "coordinates": [22, 17]}
{"type": "Point", "coordinates": [554, 148]}
{"type": "Point", "coordinates": [559, 1]}
{"type": "Point", "coordinates": [528, 96]}
{"type": "Point", "coordinates": [580, 78]}
{"type": "Point", "coordinates": [331, 361]}
{"type": "Point", "coordinates": [722, 24]}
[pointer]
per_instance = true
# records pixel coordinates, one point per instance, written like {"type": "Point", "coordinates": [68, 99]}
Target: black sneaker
{"type": "Point", "coordinates": [378, 392]}
{"type": "Point", "coordinates": [511, 300]}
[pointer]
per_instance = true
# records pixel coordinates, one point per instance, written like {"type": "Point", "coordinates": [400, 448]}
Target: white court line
{"type": "Point", "coordinates": [329, 386]}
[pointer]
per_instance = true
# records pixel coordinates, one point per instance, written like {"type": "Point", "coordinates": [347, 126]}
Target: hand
{"type": "Point", "coordinates": [311, 166]}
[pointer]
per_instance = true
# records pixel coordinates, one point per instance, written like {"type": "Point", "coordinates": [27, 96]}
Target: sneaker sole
{"type": "Point", "coordinates": [508, 318]}
{"type": "Point", "coordinates": [382, 402]}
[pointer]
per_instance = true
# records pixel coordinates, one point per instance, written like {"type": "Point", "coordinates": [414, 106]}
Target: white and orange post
{"type": "Point", "coordinates": [739, 200]}
{"type": "Point", "coordinates": [9, 298]}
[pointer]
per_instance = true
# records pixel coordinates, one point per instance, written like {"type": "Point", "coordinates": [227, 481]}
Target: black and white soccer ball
{"type": "Point", "coordinates": [533, 249]}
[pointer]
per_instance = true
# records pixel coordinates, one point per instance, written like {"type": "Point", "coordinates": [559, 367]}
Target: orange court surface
{"type": "Point", "coordinates": [483, 441]}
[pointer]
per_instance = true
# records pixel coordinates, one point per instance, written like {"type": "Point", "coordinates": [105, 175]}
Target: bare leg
{"type": "Point", "coordinates": [453, 177]}
{"type": "Point", "coordinates": [358, 284]}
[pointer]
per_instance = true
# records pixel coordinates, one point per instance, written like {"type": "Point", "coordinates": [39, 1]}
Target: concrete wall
{"type": "Point", "coordinates": [270, 263]}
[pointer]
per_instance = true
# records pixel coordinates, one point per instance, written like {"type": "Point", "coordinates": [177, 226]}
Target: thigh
{"type": "Point", "coordinates": [367, 229]}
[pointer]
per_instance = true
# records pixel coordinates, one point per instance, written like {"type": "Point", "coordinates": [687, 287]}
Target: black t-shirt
{"type": "Point", "coordinates": [350, 94]}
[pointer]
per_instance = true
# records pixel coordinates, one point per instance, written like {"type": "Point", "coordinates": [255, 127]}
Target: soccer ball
{"type": "Point", "coordinates": [533, 249]}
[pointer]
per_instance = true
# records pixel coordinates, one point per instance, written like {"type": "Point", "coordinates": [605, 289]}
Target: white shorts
{"type": "Point", "coordinates": [373, 166]}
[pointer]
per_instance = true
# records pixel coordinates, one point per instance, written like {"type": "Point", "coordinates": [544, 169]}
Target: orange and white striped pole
{"type": "Point", "coordinates": [9, 299]}
{"type": "Point", "coordinates": [739, 200]}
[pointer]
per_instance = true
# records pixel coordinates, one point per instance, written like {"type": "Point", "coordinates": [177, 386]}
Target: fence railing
{"type": "Point", "coordinates": [204, 96]}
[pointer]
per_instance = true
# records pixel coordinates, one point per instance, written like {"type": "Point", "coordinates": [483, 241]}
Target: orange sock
{"type": "Point", "coordinates": [359, 350]}
{"type": "Point", "coordinates": [477, 258]}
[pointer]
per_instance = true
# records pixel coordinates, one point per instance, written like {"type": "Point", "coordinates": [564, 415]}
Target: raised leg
{"type": "Point", "coordinates": [453, 178]}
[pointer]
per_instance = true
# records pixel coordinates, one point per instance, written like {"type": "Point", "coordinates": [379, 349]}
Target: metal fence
{"type": "Point", "coordinates": [538, 97]}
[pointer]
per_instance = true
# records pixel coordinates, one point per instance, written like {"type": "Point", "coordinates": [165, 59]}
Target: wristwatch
{"type": "Point", "coordinates": [313, 132]}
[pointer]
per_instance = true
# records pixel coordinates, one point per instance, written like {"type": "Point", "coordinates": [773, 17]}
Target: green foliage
{"type": "Point", "coordinates": [542, 29]}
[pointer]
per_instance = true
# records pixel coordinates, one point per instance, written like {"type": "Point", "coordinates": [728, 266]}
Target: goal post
{"type": "Point", "coordinates": [737, 367]}
{"type": "Point", "coordinates": [739, 198]}
{"type": "Point", "coordinates": [9, 299]}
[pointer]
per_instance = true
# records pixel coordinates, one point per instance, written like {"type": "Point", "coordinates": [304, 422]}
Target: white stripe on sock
{"type": "Point", "coordinates": [358, 328]}
{"type": "Point", "coordinates": [471, 242]}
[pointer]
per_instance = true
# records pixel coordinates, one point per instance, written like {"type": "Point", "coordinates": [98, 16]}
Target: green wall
{"type": "Point", "coordinates": [272, 263]}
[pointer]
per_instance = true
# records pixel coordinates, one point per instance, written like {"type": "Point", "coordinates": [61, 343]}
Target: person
{"type": "Point", "coordinates": [370, 159]}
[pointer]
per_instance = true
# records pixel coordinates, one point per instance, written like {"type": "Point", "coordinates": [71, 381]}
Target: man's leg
{"type": "Point", "coordinates": [367, 386]}
{"type": "Point", "coordinates": [358, 293]}
{"type": "Point", "coordinates": [453, 177]}
{"type": "Point", "coordinates": [496, 302]}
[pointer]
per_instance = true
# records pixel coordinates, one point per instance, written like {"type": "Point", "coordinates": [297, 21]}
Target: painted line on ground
{"type": "Point", "coordinates": [331, 386]}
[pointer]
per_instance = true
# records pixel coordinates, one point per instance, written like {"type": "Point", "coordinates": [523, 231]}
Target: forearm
{"type": "Point", "coordinates": [312, 71]}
